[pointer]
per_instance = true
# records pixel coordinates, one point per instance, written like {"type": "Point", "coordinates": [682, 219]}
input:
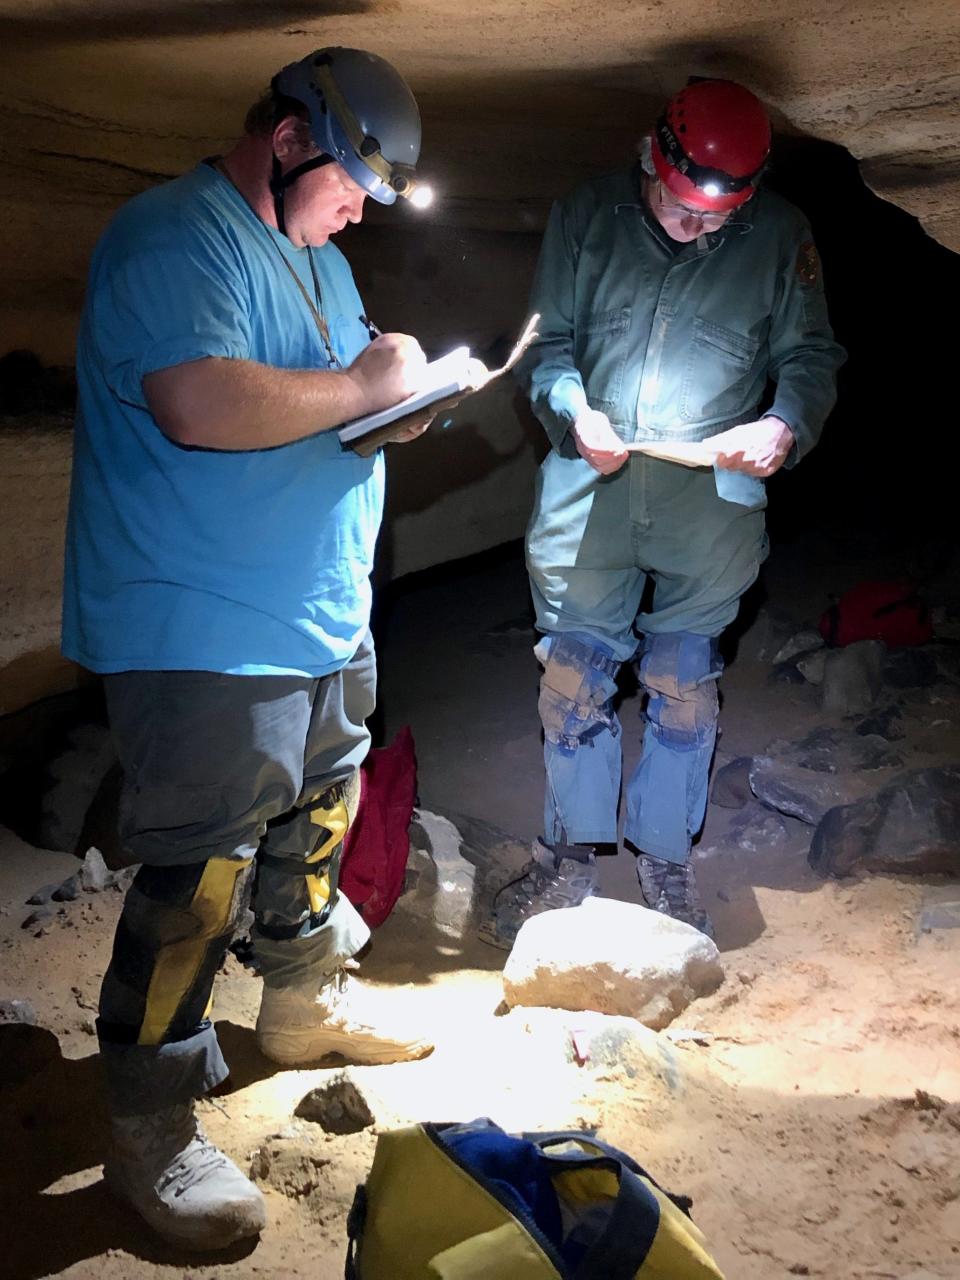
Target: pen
{"type": "Point", "coordinates": [371, 328]}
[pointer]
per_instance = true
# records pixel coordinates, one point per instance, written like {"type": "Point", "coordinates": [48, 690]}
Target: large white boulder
{"type": "Point", "coordinates": [612, 957]}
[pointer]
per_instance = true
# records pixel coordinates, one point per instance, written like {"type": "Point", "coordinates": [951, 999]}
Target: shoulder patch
{"type": "Point", "coordinates": [808, 263]}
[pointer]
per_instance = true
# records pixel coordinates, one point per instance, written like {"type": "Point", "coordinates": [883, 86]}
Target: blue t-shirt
{"type": "Point", "coordinates": [253, 562]}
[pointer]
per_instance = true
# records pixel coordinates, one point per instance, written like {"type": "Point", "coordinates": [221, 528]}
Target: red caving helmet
{"type": "Point", "coordinates": [711, 144]}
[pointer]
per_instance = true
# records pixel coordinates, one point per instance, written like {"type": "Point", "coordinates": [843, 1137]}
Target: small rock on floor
{"type": "Point", "coordinates": [731, 784]}
{"type": "Point", "coordinates": [40, 897]}
{"type": "Point", "coordinates": [19, 1011]}
{"type": "Point", "coordinates": [38, 917]}
{"type": "Point", "coordinates": [95, 875]}
{"type": "Point", "coordinates": [338, 1107]}
{"type": "Point", "coordinates": [69, 891]}
{"type": "Point", "coordinates": [911, 826]}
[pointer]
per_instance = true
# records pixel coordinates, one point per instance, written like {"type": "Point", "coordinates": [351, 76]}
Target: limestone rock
{"type": "Point", "coordinates": [611, 957]}
{"type": "Point", "coordinates": [770, 631]}
{"type": "Point", "coordinates": [95, 875]}
{"type": "Point", "coordinates": [72, 781]}
{"type": "Point", "coordinates": [881, 724]}
{"type": "Point", "coordinates": [830, 750]}
{"type": "Point", "coordinates": [37, 918]}
{"type": "Point", "coordinates": [801, 642]}
{"type": "Point", "coordinates": [853, 677]}
{"type": "Point", "coordinates": [625, 1049]}
{"type": "Point", "coordinates": [812, 666]}
{"type": "Point", "coordinates": [40, 897]}
{"type": "Point", "coordinates": [496, 854]}
{"type": "Point", "coordinates": [19, 1011]}
{"type": "Point", "coordinates": [756, 829]}
{"type": "Point", "coordinates": [827, 768]}
{"type": "Point", "coordinates": [439, 884]}
{"type": "Point", "coordinates": [787, 673]}
{"type": "Point", "coordinates": [911, 826]}
{"type": "Point", "coordinates": [802, 793]}
{"type": "Point", "coordinates": [337, 1106]}
{"type": "Point", "coordinates": [69, 891]}
{"type": "Point", "coordinates": [456, 865]}
{"type": "Point", "coordinates": [731, 784]}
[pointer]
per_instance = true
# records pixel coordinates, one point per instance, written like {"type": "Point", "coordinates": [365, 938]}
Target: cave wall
{"type": "Point", "coordinates": [100, 99]}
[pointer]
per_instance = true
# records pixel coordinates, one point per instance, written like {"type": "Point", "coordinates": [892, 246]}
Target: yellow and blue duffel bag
{"type": "Point", "coordinates": [471, 1202]}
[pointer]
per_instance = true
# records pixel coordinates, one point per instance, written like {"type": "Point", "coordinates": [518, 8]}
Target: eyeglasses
{"type": "Point", "coordinates": [708, 220]}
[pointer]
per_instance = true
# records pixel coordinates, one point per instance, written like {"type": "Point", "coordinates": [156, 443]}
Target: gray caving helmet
{"type": "Point", "coordinates": [362, 116]}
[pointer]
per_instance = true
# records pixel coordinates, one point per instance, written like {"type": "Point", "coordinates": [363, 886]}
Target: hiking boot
{"type": "Point", "coordinates": [165, 1166]}
{"type": "Point", "coordinates": [296, 1027]}
{"type": "Point", "coordinates": [547, 882]}
{"type": "Point", "coordinates": [671, 888]}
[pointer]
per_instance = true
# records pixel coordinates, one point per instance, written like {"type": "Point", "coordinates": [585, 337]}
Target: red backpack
{"type": "Point", "coordinates": [376, 847]}
{"type": "Point", "coordinates": [888, 611]}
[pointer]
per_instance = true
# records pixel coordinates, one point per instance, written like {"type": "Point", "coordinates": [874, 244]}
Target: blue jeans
{"type": "Point", "coordinates": [592, 543]}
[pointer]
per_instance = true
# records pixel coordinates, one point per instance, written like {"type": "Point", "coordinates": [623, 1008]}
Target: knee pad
{"type": "Point", "coordinates": [576, 689]}
{"type": "Point", "coordinates": [189, 903]}
{"type": "Point", "coordinates": [173, 934]}
{"type": "Point", "coordinates": [680, 672]}
{"type": "Point", "coordinates": [330, 815]}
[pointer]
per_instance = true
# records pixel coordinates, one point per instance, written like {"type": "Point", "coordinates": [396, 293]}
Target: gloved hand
{"type": "Point", "coordinates": [598, 443]}
{"type": "Point", "coordinates": [756, 448]}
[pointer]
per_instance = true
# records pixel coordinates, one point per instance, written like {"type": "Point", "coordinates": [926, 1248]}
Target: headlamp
{"type": "Point", "coordinates": [712, 182]}
{"type": "Point", "coordinates": [400, 178]}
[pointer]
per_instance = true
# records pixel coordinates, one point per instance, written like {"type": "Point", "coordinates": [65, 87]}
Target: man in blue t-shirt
{"type": "Point", "coordinates": [219, 549]}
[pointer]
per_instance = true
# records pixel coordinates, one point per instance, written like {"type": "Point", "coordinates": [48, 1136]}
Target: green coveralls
{"type": "Point", "coordinates": [670, 342]}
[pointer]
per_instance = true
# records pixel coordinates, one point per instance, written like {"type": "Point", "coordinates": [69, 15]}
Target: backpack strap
{"type": "Point", "coordinates": [626, 1240]}
{"type": "Point", "coordinates": [356, 1221]}
{"type": "Point", "coordinates": [544, 1140]}
{"type": "Point", "coordinates": [636, 1214]}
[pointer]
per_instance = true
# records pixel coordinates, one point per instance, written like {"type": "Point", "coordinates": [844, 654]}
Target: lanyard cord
{"type": "Point", "coordinates": [315, 308]}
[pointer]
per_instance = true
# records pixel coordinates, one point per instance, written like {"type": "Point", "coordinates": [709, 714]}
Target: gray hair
{"type": "Point", "coordinates": [645, 151]}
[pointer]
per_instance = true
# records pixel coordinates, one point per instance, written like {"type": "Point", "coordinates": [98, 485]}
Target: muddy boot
{"type": "Point", "coordinates": [165, 1166]}
{"type": "Point", "coordinates": [671, 887]}
{"type": "Point", "coordinates": [295, 1027]}
{"type": "Point", "coordinates": [551, 879]}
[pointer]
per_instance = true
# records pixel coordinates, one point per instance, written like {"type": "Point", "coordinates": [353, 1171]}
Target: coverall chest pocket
{"type": "Point", "coordinates": [718, 372]}
{"type": "Point", "coordinates": [602, 355]}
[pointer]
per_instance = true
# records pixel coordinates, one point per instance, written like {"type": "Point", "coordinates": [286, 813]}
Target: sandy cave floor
{"type": "Point", "coordinates": [818, 1130]}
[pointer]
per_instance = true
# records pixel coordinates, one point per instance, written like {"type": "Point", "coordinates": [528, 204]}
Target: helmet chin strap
{"type": "Point", "coordinates": [279, 181]}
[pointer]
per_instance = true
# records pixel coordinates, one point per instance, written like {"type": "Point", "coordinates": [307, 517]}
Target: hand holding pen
{"type": "Point", "coordinates": [373, 330]}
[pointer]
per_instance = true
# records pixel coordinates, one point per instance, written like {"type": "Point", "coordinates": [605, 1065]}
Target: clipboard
{"type": "Point", "coordinates": [453, 379]}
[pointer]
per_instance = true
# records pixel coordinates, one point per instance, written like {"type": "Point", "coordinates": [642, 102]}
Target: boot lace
{"type": "Point", "coordinates": [177, 1127]}
{"type": "Point", "coordinates": [200, 1159]}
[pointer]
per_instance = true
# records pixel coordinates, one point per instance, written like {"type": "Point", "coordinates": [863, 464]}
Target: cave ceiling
{"type": "Point", "coordinates": [520, 98]}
